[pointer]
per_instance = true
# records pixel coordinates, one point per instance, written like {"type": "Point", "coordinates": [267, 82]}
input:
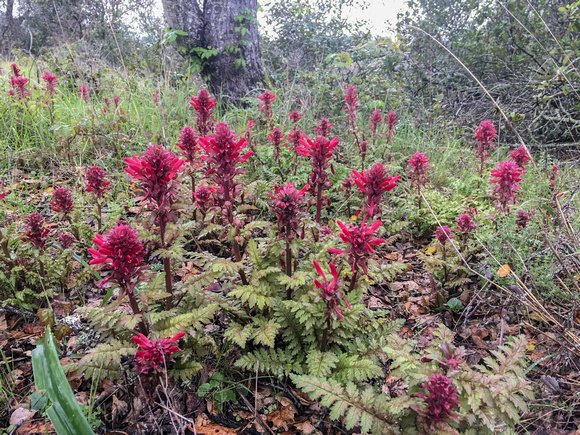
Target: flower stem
{"type": "Point", "coordinates": [325, 335]}
{"type": "Point", "coordinates": [318, 202]}
{"type": "Point", "coordinates": [238, 256]}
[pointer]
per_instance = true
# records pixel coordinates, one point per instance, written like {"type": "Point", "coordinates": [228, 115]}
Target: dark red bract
{"type": "Point", "coordinates": [443, 234]}
{"type": "Point", "coordinates": [203, 105]}
{"type": "Point", "coordinates": [62, 201]}
{"type": "Point", "coordinates": [223, 153]}
{"type": "Point", "coordinates": [324, 127]}
{"type": "Point", "coordinates": [120, 252]}
{"type": "Point", "coordinates": [266, 107]}
{"type": "Point", "coordinates": [295, 116]}
{"type": "Point", "coordinates": [287, 203]}
{"type": "Point", "coordinates": [506, 176]}
{"type": "Point", "coordinates": [465, 224]}
{"type": "Point", "coordinates": [520, 156]}
{"type": "Point", "coordinates": [277, 139]}
{"type": "Point", "coordinates": [376, 119]}
{"type": "Point", "coordinates": [155, 353]}
{"type": "Point", "coordinates": [374, 183]}
{"type": "Point", "coordinates": [84, 93]}
{"type": "Point", "coordinates": [96, 182]}
{"type": "Point", "coordinates": [442, 398]}
{"type": "Point", "coordinates": [351, 99]}
{"type": "Point", "coordinates": [419, 165]}
{"type": "Point", "coordinates": [360, 240]}
{"type": "Point", "coordinates": [36, 232]}
{"type": "Point", "coordinates": [485, 134]}
{"type": "Point", "coordinates": [188, 145]}
{"type": "Point", "coordinates": [19, 87]}
{"type": "Point", "coordinates": [330, 291]}
{"type": "Point", "coordinates": [51, 83]}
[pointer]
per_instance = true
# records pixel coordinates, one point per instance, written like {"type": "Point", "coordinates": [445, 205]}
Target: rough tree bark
{"type": "Point", "coordinates": [214, 25]}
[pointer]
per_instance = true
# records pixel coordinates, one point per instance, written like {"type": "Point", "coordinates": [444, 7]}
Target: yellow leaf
{"type": "Point", "coordinates": [530, 347]}
{"type": "Point", "coordinates": [48, 191]}
{"type": "Point", "coordinates": [504, 271]}
{"type": "Point", "coordinates": [431, 249]}
{"type": "Point", "coordinates": [353, 218]}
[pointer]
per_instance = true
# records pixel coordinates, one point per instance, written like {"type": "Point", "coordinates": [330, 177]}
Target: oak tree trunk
{"type": "Point", "coordinates": [230, 26]}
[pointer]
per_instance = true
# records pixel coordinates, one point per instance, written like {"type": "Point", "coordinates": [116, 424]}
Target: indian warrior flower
{"type": "Point", "coordinates": [36, 233]}
{"type": "Point", "coordinates": [330, 290]}
{"type": "Point", "coordinates": [485, 135]}
{"type": "Point", "coordinates": [441, 400]}
{"type": "Point", "coordinates": [374, 183]}
{"type": "Point", "coordinates": [96, 180]}
{"type": "Point", "coordinates": [62, 201]}
{"type": "Point", "coordinates": [286, 203]}
{"type": "Point", "coordinates": [506, 176]}
{"type": "Point", "coordinates": [155, 353]}
{"type": "Point", "coordinates": [203, 105]}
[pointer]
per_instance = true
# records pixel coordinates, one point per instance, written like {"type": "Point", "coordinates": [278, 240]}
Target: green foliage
{"type": "Point", "coordinates": [103, 361]}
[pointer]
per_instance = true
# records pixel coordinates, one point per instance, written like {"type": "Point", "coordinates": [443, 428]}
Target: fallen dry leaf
{"type": "Point", "coordinates": [21, 415]}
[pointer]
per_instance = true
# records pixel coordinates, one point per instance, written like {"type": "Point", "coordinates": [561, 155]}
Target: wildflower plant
{"type": "Point", "coordinates": [203, 105]}
{"type": "Point", "coordinates": [485, 136]}
{"type": "Point", "coordinates": [441, 400]}
{"type": "Point", "coordinates": [84, 93]}
{"type": "Point", "coordinates": [324, 127]}
{"type": "Point", "coordinates": [360, 240]}
{"type": "Point", "coordinates": [374, 183]}
{"type": "Point", "coordinates": [376, 119]}
{"type": "Point", "coordinates": [155, 354]}
{"type": "Point", "coordinates": [391, 120]}
{"type": "Point", "coordinates": [320, 151]}
{"type": "Point", "coordinates": [418, 166]}
{"type": "Point", "coordinates": [188, 143]}
{"type": "Point", "coordinates": [19, 87]}
{"type": "Point", "coordinates": [62, 202]}
{"type": "Point", "coordinates": [266, 107]}
{"type": "Point", "coordinates": [97, 184]}
{"type": "Point", "coordinates": [506, 177]}
{"type": "Point", "coordinates": [331, 296]}
{"type": "Point", "coordinates": [156, 170]}
{"type": "Point", "coordinates": [287, 203]}
{"type": "Point", "coordinates": [277, 139]}
{"type": "Point", "coordinates": [121, 253]}
{"type": "Point", "coordinates": [521, 156]}
{"type": "Point", "coordinates": [51, 82]}
{"type": "Point", "coordinates": [36, 233]}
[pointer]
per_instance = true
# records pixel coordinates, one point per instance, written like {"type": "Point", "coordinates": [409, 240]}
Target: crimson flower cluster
{"type": "Point", "coordinates": [521, 157]}
{"type": "Point", "coordinates": [485, 134]}
{"type": "Point", "coordinates": [15, 70]}
{"type": "Point", "coordinates": [157, 169]}
{"type": "Point", "coordinates": [376, 119]}
{"type": "Point", "coordinates": [19, 86]}
{"type": "Point", "coordinates": [324, 127]}
{"type": "Point", "coordinates": [223, 153]}
{"type": "Point", "coordinates": [443, 234]}
{"type": "Point", "coordinates": [522, 219]}
{"type": "Point", "coordinates": [506, 176]}
{"type": "Point", "coordinates": [121, 252]}
{"type": "Point", "coordinates": [419, 164]}
{"type": "Point", "coordinates": [266, 107]}
{"type": "Point", "coordinates": [351, 99]}
{"type": "Point", "coordinates": [360, 240]}
{"type": "Point", "coordinates": [391, 122]}
{"type": "Point", "coordinates": [203, 197]}
{"type": "Point", "coordinates": [62, 201]}
{"type": "Point", "coordinates": [441, 400]}
{"type": "Point", "coordinates": [286, 204]}
{"type": "Point", "coordinates": [347, 184]}
{"type": "Point", "coordinates": [188, 144]}
{"type": "Point", "coordinates": [36, 232]}
{"type": "Point", "coordinates": [66, 240]}
{"type": "Point", "coordinates": [295, 116]}
{"type": "Point", "coordinates": [330, 291]}
{"type": "Point", "coordinates": [51, 83]}
{"type": "Point", "coordinates": [203, 105]}
{"type": "Point", "coordinates": [84, 93]}
{"type": "Point", "coordinates": [155, 98]}
{"type": "Point", "coordinates": [96, 182]}
{"type": "Point", "coordinates": [277, 139]}
{"type": "Point", "coordinates": [374, 183]}
{"type": "Point", "coordinates": [155, 353]}
{"type": "Point", "coordinates": [465, 224]}
{"type": "Point", "coordinates": [294, 136]}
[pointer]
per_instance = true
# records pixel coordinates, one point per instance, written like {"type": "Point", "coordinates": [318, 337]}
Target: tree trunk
{"type": "Point", "coordinates": [230, 26]}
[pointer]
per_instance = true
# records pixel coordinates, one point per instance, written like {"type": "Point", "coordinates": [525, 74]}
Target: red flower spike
{"type": "Point", "coordinates": [66, 240]}
{"type": "Point", "coordinates": [347, 184]}
{"type": "Point", "coordinates": [376, 119]}
{"type": "Point", "coordinates": [15, 70]}
{"type": "Point", "coordinates": [120, 252]}
{"type": "Point", "coordinates": [188, 145]}
{"type": "Point", "coordinates": [443, 234]}
{"type": "Point", "coordinates": [62, 201]}
{"type": "Point", "coordinates": [374, 183]}
{"type": "Point", "coordinates": [96, 183]}
{"type": "Point", "coordinates": [203, 105]}
{"type": "Point", "coordinates": [360, 240]}
{"type": "Point", "coordinates": [330, 292]}
{"type": "Point", "coordinates": [419, 165]}
{"type": "Point", "coordinates": [51, 83]}
{"type": "Point", "coordinates": [157, 169]}
{"type": "Point", "coordinates": [277, 139]}
{"type": "Point", "coordinates": [320, 150]}
{"type": "Point", "coordinates": [506, 175]}
{"type": "Point", "coordinates": [391, 122]}
{"type": "Point", "coordinates": [266, 107]}
{"type": "Point", "coordinates": [521, 157]}
{"type": "Point", "coordinates": [351, 99]}
{"type": "Point", "coordinates": [441, 400]}
{"type": "Point", "coordinates": [84, 93]}
{"type": "Point", "coordinates": [295, 116]}
{"type": "Point", "coordinates": [155, 354]}
{"type": "Point", "coordinates": [465, 224]}
{"type": "Point", "coordinates": [155, 98]}
{"type": "Point", "coordinates": [295, 136]}
{"type": "Point", "coordinates": [286, 204]}
{"type": "Point", "coordinates": [116, 101]}
{"type": "Point", "coordinates": [36, 232]}
{"type": "Point", "coordinates": [223, 152]}
{"type": "Point", "coordinates": [324, 127]}
{"type": "Point", "coordinates": [203, 196]}
{"type": "Point", "coordinates": [485, 134]}
{"type": "Point", "coordinates": [19, 87]}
